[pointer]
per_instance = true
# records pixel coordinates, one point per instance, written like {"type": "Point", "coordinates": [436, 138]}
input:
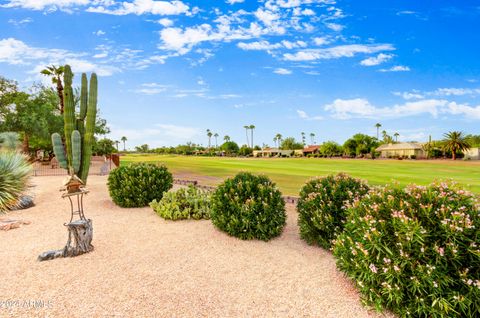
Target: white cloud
{"type": "Point", "coordinates": [397, 68]}
{"type": "Point", "coordinates": [99, 33]}
{"type": "Point", "coordinates": [335, 52]}
{"type": "Point", "coordinates": [409, 95]}
{"type": "Point", "coordinates": [234, 1]}
{"type": "Point", "coordinates": [335, 27]}
{"type": "Point", "coordinates": [16, 52]}
{"type": "Point", "coordinates": [20, 22]}
{"type": "Point", "coordinates": [376, 60]}
{"type": "Point", "coordinates": [151, 89]}
{"type": "Point", "coordinates": [303, 115]}
{"type": "Point", "coordinates": [266, 16]}
{"type": "Point", "coordinates": [456, 91]}
{"type": "Point", "coordinates": [362, 108]}
{"type": "Point", "coordinates": [267, 46]}
{"type": "Point", "coordinates": [466, 110]}
{"type": "Point", "coordinates": [321, 40]}
{"type": "Point", "coordinates": [44, 4]}
{"type": "Point", "coordinates": [282, 71]}
{"type": "Point", "coordinates": [165, 22]}
{"type": "Point", "coordinates": [140, 7]}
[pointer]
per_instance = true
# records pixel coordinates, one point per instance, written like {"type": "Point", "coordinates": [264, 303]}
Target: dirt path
{"type": "Point", "coordinates": [144, 266]}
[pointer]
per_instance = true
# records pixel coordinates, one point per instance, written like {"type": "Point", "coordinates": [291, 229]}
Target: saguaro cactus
{"type": "Point", "coordinates": [79, 128]}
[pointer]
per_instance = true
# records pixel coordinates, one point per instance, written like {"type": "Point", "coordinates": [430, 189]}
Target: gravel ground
{"type": "Point", "coordinates": [143, 266]}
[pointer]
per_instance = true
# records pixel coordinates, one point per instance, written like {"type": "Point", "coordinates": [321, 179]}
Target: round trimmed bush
{"type": "Point", "coordinates": [185, 203]}
{"type": "Point", "coordinates": [136, 185]}
{"type": "Point", "coordinates": [415, 251]}
{"type": "Point", "coordinates": [249, 207]}
{"type": "Point", "coordinates": [322, 207]}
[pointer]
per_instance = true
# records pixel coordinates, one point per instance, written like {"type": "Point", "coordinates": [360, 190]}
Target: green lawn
{"type": "Point", "coordinates": [291, 173]}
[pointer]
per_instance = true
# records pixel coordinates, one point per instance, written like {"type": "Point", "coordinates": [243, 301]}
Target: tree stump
{"type": "Point", "coordinates": [80, 235]}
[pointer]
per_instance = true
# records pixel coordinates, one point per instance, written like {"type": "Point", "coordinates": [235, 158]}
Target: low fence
{"type": "Point", "coordinates": [286, 198]}
{"type": "Point", "coordinates": [99, 166]}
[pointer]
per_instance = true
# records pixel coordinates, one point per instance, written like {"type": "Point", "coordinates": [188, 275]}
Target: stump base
{"type": "Point", "coordinates": [81, 232]}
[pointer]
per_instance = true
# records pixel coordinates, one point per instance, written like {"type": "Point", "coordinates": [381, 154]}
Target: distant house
{"type": "Point", "coordinates": [272, 152]}
{"type": "Point", "coordinates": [310, 150]}
{"type": "Point", "coordinates": [401, 149]}
{"type": "Point", "coordinates": [472, 153]}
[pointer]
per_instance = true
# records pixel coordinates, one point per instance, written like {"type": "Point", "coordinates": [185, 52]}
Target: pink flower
{"type": "Point", "coordinates": [373, 268]}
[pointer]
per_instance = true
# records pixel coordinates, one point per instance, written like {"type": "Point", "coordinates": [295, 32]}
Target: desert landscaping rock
{"type": "Point", "coordinates": [144, 266]}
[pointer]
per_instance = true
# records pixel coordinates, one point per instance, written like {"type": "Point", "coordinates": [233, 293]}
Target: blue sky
{"type": "Point", "coordinates": [171, 69]}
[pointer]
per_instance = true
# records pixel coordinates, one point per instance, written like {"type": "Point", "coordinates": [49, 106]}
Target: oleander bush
{"type": "Point", "coordinates": [184, 203]}
{"type": "Point", "coordinates": [415, 251]}
{"type": "Point", "coordinates": [322, 207]}
{"type": "Point", "coordinates": [138, 184]}
{"type": "Point", "coordinates": [249, 207]}
{"type": "Point", "coordinates": [15, 171]}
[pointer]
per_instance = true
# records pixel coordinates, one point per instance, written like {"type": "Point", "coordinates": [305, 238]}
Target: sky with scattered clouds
{"type": "Point", "coordinates": [169, 70]}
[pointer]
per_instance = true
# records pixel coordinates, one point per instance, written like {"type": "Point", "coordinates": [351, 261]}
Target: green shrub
{"type": "Point", "coordinates": [136, 185]}
{"type": "Point", "coordinates": [185, 203]}
{"type": "Point", "coordinates": [322, 207]}
{"type": "Point", "coordinates": [249, 207]}
{"type": "Point", "coordinates": [15, 173]}
{"type": "Point", "coordinates": [415, 251]}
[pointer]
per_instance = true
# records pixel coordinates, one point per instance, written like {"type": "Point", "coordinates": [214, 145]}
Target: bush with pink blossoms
{"type": "Point", "coordinates": [415, 251]}
{"type": "Point", "coordinates": [322, 207]}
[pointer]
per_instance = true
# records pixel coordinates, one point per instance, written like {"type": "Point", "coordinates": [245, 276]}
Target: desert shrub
{"type": "Point", "coordinates": [136, 185]}
{"type": "Point", "coordinates": [415, 251]}
{"type": "Point", "coordinates": [15, 171]}
{"type": "Point", "coordinates": [249, 207]}
{"type": "Point", "coordinates": [184, 203]}
{"type": "Point", "coordinates": [322, 207]}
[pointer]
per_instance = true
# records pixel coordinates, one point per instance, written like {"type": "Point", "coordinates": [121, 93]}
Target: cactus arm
{"type": "Point", "coordinates": [89, 128]}
{"type": "Point", "coordinates": [76, 150]}
{"type": "Point", "coordinates": [83, 98]}
{"type": "Point", "coordinates": [59, 150]}
{"type": "Point", "coordinates": [69, 112]}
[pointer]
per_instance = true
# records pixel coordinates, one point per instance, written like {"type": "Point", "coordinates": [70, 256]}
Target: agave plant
{"type": "Point", "coordinates": [15, 173]}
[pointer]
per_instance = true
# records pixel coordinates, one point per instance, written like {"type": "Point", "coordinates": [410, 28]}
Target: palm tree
{"type": "Point", "coordinates": [275, 141]}
{"type": "Point", "coordinates": [455, 141]}
{"type": "Point", "coordinates": [116, 144]}
{"type": "Point", "coordinates": [226, 138]}
{"type": "Point", "coordinates": [209, 135]}
{"type": "Point", "coordinates": [396, 136]}
{"type": "Point", "coordinates": [385, 135]}
{"type": "Point", "coordinates": [216, 143]}
{"type": "Point", "coordinates": [312, 138]}
{"type": "Point", "coordinates": [123, 139]}
{"type": "Point", "coordinates": [378, 125]}
{"type": "Point", "coordinates": [278, 136]}
{"type": "Point", "coordinates": [56, 74]}
{"type": "Point", "coordinates": [246, 133]}
{"type": "Point", "coordinates": [251, 127]}
{"type": "Point", "coordinates": [303, 138]}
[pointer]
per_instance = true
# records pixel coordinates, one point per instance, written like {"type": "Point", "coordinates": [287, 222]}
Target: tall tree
{"type": "Point", "coordinates": [279, 136]}
{"type": "Point", "coordinates": [116, 144]}
{"type": "Point", "coordinates": [251, 127]}
{"type": "Point", "coordinates": [56, 73]}
{"type": "Point", "coordinates": [209, 135]}
{"type": "Point", "coordinates": [303, 138]}
{"type": "Point", "coordinates": [246, 133]}
{"type": "Point", "coordinates": [275, 141]}
{"type": "Point", "coordinates": [226, 138]}
{"type": "Point", "coordinates": [378, 125]}
{"type": "Point", "coordinates": [312, 138]}
{"type": "Point", "coordinates": [216, 141]}
{"type": "Point", "coordinates": [124, 139]}
{"type": "Point", "coordinates": [396, 136]}
{"type": "Point", "coordinates": [455, 141]}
